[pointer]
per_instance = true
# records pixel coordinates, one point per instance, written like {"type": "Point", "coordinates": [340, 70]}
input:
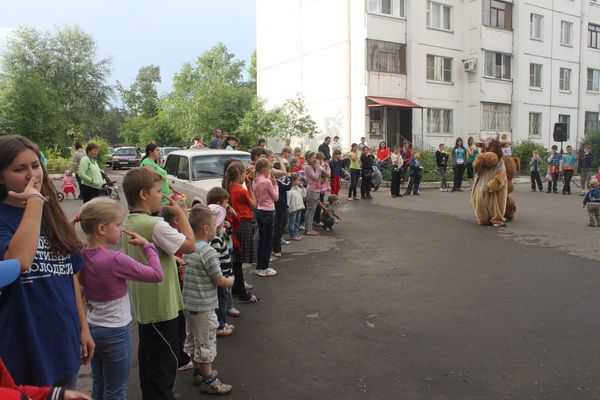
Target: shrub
{"type": "Point", "coordinates": [593, 139]}
{"type": "Point", "coordinates": [524, 151]}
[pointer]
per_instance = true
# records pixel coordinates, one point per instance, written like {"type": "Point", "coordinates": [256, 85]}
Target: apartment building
{"type": "Point", "coordinates": [432, 71]}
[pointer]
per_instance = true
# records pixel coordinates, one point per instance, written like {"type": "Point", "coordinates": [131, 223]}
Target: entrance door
{"type": "Point", "coordinates": [399, 126]}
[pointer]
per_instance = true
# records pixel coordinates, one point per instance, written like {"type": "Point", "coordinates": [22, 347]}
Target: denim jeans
{"type": "Point", "coordinates": [294, 223]}
{"type": "Point", "coordinates": [265, 220]}
{"type": "Point", "coordinates": [222, 310]}
{"type": "Point", "coordinates": [111, 362]}
{"type": "Point", "coordinates": [382, 164]}
{"type": "Point", "coordinates": [329, 223]}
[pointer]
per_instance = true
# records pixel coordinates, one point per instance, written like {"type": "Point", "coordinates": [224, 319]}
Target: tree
{"type": "Point", "coordinates": [295, 121]}
{"type": "Point", "coordinates": [257, 122]}
{"type": "Point", "coordinates": [142, 96]}
{"type": "Point", "coordinates": [592, 139]}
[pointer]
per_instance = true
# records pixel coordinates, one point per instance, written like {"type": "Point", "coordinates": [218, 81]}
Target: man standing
{"type": "Point", "coordinates": [287, 143]}
{"type": "Point", "coordinates": [324, 148]}
{"type": "Point", "coordinates": [215, 143]}
{"type": "Point", "coordinates": [79, 154]}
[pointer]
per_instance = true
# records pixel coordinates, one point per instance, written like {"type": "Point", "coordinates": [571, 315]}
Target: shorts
{"type": "Point", "coordinates": [201, 335]}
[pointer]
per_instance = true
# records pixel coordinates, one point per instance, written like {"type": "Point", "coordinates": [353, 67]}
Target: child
{"type": "Point", "coordinates": [295, 164]}
{"type": "Point", "coordinates": [298, 154]}
{"type": "Point", "coordinates": [569, 162]}
{"type": "Point", "coordinates": [354, 172]}
{"type": "Point", "coordinates": [397, 162]}
{"type": "Point", "coordinates": [441, 157]}
{"type": "Point", "coordinates": [584, 168]}
{"type": "Point", "coordinates": [266, 194]}
{"type": "Point", "coordinates": [323, 185]}
{"type": "Point", "coordinates": [534, 171]}
{"type": "Point", "coordinates": [156, 305]}
{"type": "Point", "coordinates": [592, 199]}
{"type": "Point", "coordinates": [367, 173]}
{"type": "Point", "coordinates": [286, 155]}
{"type": "Point", "coordinates": [297, 194]}
{"type": "Point", "coordinates": [553, 164]}
{"type": "Point", "coordinates": [44, 335]}
{"type": "Point", "coordinates": [416, 172]}
{"type": "Point", "coordinates": [313, 189]}
{"type": "Point", "coordinates": [282, 216]}
{"type": "Point", "coordinates": [201, 279]}
{"type": "Point", "coordinates": [255, 154]}
{"type": "Point", "coordinates": [68, 184]}
{"type": "Point", "coordinates": [104, 283]}
{"type": "Point", "coordinates": [335, 166]}
{"type": "Point", "coordinates": [597, 177]}
{"type": "Point", "coordinates": [328, 216]}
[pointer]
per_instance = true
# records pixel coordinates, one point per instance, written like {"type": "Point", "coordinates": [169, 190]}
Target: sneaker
{"type": "Point", "coordinates": [312, 233]}
{"type": "Point", "coordinates": [441, 190]}
{"type": "Point", "coordinates": [327, 229]}
{"type": "Point", "coordinates": [301, 227]}
{"type": "Point", "coordinates": [248, 286]}
{"type": "Point", "coordinates": [226, 331]}
{"type": "Point", "coordinates": [296, 238]}
{"type": "Point", "coordinates": [252, 299]}
{"type": "Point", "coordinates": [370, 197]}
{"type": "Point", "coordinates": [278, 255]}
{"type": "Point", "coordinates": [232, 312]}
{"type": "Point", "coordinates": [266, 272]}
{"type": "Point", "coordinates": [197, 379]}
{"type": "Point", "coordinates": [416, 194]}
{"type": "Point", "coordinates": [215, 387]}
{"type": "Point", "coordinates": [187, 366]}
{"type": "Point", "coordinates": [283, 241]}
{"type": "Point", "coordinates": [319, 224]}
{"type": "Point", "coordinates": [232, 327]}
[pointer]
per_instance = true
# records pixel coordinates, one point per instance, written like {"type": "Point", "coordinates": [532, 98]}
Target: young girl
{"type": "Point", "coordinates": [459, 161]}
{"type": "Point", "coordinates": [296, 199]}
{"type": "Point", "coordinates": [44, 336]}
{"type": "Point", "coordinates": [324, 184]}
{"type": "Point", "coordinates": [242, 200]}
{"type": "Point", "coordinates": [397, 163]}
{"type": "Point", "coordinates": [298, 153]}
{"type": "Point", "coordinates": [354, 172]}
{"type": "Point", "coordinates": [266, 192]}
{"type": "Point", "coordinates": [68, 184]}
{"type": "Point", "coordinates": [472, 152]}
{"type": "Point", "coordinates": [104, 283]}
{"type": "Point", "coordinates": [313, 190]}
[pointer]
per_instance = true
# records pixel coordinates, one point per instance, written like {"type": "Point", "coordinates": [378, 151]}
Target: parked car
{"type": "Point", "coordinates": [127, 157]}
{"type": "Point", "coordinates": [164, 152]}
{"type": "Point", "coordinates": [195, 172]}
{"type": "Point", "coordinates": [109, 157]}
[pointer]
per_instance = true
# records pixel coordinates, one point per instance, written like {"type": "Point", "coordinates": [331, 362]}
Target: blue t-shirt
{"type": "Point", "coordinates": [39, 324]}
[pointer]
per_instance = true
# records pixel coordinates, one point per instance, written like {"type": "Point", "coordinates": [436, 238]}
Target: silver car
{"type": "Point", "coordinates": [195, 172]}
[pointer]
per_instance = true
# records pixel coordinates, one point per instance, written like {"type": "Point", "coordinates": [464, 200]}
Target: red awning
{"type": "Point", "coordinates": [386, 101]}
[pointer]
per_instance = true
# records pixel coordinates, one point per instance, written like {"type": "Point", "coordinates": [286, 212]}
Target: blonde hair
{"type": "Point", "coordinates": [169, 215]}
{"type": "Point", "coordinates": [200, 216]}
{"type": "Point", "coordinates": [98, 211]}
{"type": "Point", "coordinates": [261, 165]}
{"type": "Point", "coordinates": [594, 183]}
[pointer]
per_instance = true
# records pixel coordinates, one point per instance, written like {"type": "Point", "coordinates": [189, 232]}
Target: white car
{"type": "Point", "coordinates": [195, 172]}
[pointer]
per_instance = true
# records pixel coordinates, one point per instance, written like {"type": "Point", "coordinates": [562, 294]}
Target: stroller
{"type": "Point", "coordinates": [109, 187]}
{"type": "Point", "coordinates": [345, 179]}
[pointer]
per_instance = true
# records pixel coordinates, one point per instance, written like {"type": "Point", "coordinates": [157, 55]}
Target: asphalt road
{"type": "Point", "coordinates": [410, 299]}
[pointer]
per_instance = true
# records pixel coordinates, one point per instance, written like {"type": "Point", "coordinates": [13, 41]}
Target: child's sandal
{"type": "Point", "coordinates": [232, 312]}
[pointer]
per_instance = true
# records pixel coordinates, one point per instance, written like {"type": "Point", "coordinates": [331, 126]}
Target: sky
{"type": "Point", "coordinates": [137, 33]}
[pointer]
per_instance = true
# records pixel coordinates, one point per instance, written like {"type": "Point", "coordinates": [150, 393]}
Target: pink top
{"type": "Point", "coordinates": [68, 181]}
{"type": "Point", "coordinates": [325, 187]}
{"type": "Point", "coordinates": [312, 177]}
{"type": "Point", "coordinates": [106, 272]}
{"type": "Point", "coordinates": [265, 192]}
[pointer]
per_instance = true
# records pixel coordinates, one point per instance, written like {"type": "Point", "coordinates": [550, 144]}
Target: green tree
{"type": "Point", "coordinates": [295, 121]}
{"type": "Point", "coordinates": [524, 151]}
{"type": "Point", "coordinates": [593, 140]}
{"type": "Point", "coordinates": [257, 122]}
{"type": "Point", "coordinates": [142, 96]}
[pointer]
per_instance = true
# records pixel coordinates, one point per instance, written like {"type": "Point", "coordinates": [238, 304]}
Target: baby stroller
{"type": "Point", "coordinates": [109, 187]}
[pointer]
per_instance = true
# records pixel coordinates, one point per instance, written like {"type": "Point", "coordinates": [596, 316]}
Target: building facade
{"type": "Point", "coordinates": [431, 71]}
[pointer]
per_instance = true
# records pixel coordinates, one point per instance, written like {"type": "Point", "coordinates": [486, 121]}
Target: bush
{"type": "Point", "coordinates": [524, 151]}
{"type": "Point", "coordinates": [593, 139]}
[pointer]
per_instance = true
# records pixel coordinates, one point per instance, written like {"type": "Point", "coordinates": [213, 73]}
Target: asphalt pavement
{"type": "Point", "coordinates": [409, 298]}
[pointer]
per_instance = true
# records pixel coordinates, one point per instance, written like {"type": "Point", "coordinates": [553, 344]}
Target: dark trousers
{"type": "Point", "coordinates": [553, 186]}
{"type": "Point", "coordinates": [443, 184]}
{"type": "Point", "coordinates": [536, 179]}
{"type": "Point", "coordinates": [239, 287]}
{"type": "Point", "coordinates": [88, 193]}
{"type": "Point", "coordinates": [157, 358]}
{"type": "Point", "coordinates": [78, 184]}
{"type": "Point", "coordinates": [459, 171]}
{"type": "Point", "coordinates": [182, 357]}
{"type": "Point", "coordinates": [265, 221]}
{"type": "Point", "coordinates": [365, 188]}
{"type": "Point", "coordinates": [354, 175]}
{"type": "Point", "coordinates": [414, 183]}
{"type": "Point", "coordinates": [568, 175]}
{"type": "Point", "coordinates": [221, 312]}
{"type": "Point", "coordinates": [282, 215]}
{"type": "Point", "coordinates": [317, 217]}
{"type": "Point", "coordinates": [396, 180]}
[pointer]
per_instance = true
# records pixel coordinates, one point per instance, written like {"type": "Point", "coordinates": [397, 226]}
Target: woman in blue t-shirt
{"type": "Point", "coordinates": [459, 163]}
{"type": "Point", "coordinates": [44, 336]}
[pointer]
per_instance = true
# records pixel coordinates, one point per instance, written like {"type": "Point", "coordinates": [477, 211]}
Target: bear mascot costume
{"type": "Point", "coordinates": [493, 183]}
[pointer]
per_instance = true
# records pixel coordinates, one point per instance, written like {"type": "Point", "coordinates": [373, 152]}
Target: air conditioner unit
{"type": "Point", "coordinates": [470, 65]}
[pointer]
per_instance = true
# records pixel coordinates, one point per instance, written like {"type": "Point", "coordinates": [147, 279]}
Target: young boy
{"type": "Point", "coordinates": [584, 168]}
{"type": "Point", "coordinates": [366, 163]}
{"type": "Point", "coordinates": [553, 164]}
{"type": "Point", "coordinates": [201, 278]}
{"type": "Point", "coordinates": [335, 165]}
{"type": "Point", "coordinates": [569, 162]}
{"type": "Point", "coordinates": [534, 171]}
{"type": "Point", "coordinates": [282, 214]}
{"type": "Point", "coordinates": [441, 158]}
{"type": "Point", "coordinates": [328, 216]}
{"type": "Point", "coordinates": [156, 305]}
{"type": "Point", "coordinates": [416, 172]}
{"type": "Point", "coordinates": [592, 199]}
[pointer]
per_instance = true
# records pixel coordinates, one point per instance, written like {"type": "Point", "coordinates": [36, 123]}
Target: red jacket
{"type": "Point", "coordinates": [10, 391]}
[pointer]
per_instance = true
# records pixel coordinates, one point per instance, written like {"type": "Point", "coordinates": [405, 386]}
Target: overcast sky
{"type": "Point", "coordinates": [137, 33]}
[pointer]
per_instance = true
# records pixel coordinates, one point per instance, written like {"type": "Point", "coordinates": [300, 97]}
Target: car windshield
{"type": "Point", "coordinates": [126, 152]}
{"type": "Point", "coordinates": [167, 150]}
{"type": "Point", "coordinates": [212, 166]}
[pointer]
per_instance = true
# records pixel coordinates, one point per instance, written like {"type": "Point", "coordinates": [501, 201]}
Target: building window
{"type": "Point", "coordinates": [439, 121]}
{"type": "Point", "coordinates": [495, 117]}
{"type": "Point", "coordinates": [566, 33]}
{"type": "Point", "coordinates": [497, 14]}
{"type": "Point", "coordinates": [439, 16]}
{"type": "Point", "coordinates": [392, 8]}
{"type": "Point", "coordinates": [497, 65]}
{"type": "Point", "coordinates": [565, 79]}
{"type": "Point", "coordinates": [535, 26]}
{"type": "Point", "coordinates": [567, 120]}
{"type": "Point", "coordinates": [594, 36]}
{"type": "Point", "coordinates": [591, 122]}
{"type": "Point", "coordinates": [593, 80]}
{"type": "Point", "coordinates": [535, 76]}
{"type": "Point", "coordinates": [439, 69]}
{"type": "Point", "coordinates": [535, 124]}
{"type": "Point", "coordinates": [386, 57]}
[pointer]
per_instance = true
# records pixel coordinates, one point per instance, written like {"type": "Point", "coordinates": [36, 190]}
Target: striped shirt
{"type": "Point", "coordinates": [219, 243]}
{"type": "Point", "coordinates": [199, 289]}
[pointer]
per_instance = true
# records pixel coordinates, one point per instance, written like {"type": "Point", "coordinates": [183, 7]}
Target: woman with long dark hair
{"type": "Point", "coordinates": [459, 163]}
{"type": "Point", "coordinates": [150, 161]}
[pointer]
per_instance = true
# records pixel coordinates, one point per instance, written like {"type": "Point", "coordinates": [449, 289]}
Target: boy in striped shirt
{"type": "Point", "coordinates": [202, 276]}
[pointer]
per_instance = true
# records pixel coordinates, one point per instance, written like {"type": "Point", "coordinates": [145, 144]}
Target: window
{"type": "Point", "coordinates": [535, 76]}
{"type": "Point", "coordinates": [535, 26]}
{"type": "Point", "coordinates": [593, 80]}
{"type": "Point", "coordinates": [392, 8]}
{"type": "Point", "coordinates": [535, 124]}
{"type": "Point", "coordinates": [566, 33]}
{"type": "Point", "coordinates": [497, 65]}
{"type": "Point", "coordinates": [565, 79]}
{"type": "Point", "coordinates": [594, 36]}
{"type": "Point", "coordinates": [439, 121]}
{"type": "Point", "coordinates": [495, 117]}
{"type": "Point", "coordinates": [439, 69]}
{"type": "Point", "coordinates": [439, 16]}
{"type": "Point", "coordinates": [497, 14]}
{"type": "Point", "coordinates": [567, 120]}
{"type": "Point", "coordinates": [591, 122]}
{"type": "Point", "coordinates": [386, 57]}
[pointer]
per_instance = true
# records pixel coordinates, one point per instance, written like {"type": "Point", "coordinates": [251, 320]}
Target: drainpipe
{"type": "Point", "coordinates": [349, 77]}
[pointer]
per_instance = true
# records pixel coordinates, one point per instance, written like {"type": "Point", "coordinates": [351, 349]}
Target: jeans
{"type": "Point", "coordinates": [536, 179]}
{"type": "Point", "coordinates": [414, 184]}
{"type": "Point", "coordinates": [396, 180]}
{"type": "Point", "coordinates": [382, 164]}
{"type": "Point", "coordinates": [111, 362]}
{"type": "Point", "coordinates": [79, 185]}
{"type": "Point", "coordinates": [568, 175]}
{"type": "Point", "coordinates": [312, 202]}
{"type": "Point", "coordinates": [266, 221]}
{"type": "Point", "coordinates": [553, 185]}
{"type": "Point", "coordinates": [222, 310]}
{"type": "Point", "coordinates": [329, 223]}
{"type": "Point", "coordinates": [354, 175]}
{"type": "Point", "coordinates": [281, 220]}
{"type": "Point", "coordinates": [365, 188]}
{"type": "Point", "coordinates": [317, 217]}
{"type": "Point", "coordinates": [294, 222]}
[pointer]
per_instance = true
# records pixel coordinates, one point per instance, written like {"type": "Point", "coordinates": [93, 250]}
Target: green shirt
{"type": "Point", "coordinates": [165, 184]}
{"type": "Point", "coordinates": [472, 158]}
{"type": "Point", "coordinates": [354, 163]}
{"type": "Point", "coordinates": [89, 172]}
